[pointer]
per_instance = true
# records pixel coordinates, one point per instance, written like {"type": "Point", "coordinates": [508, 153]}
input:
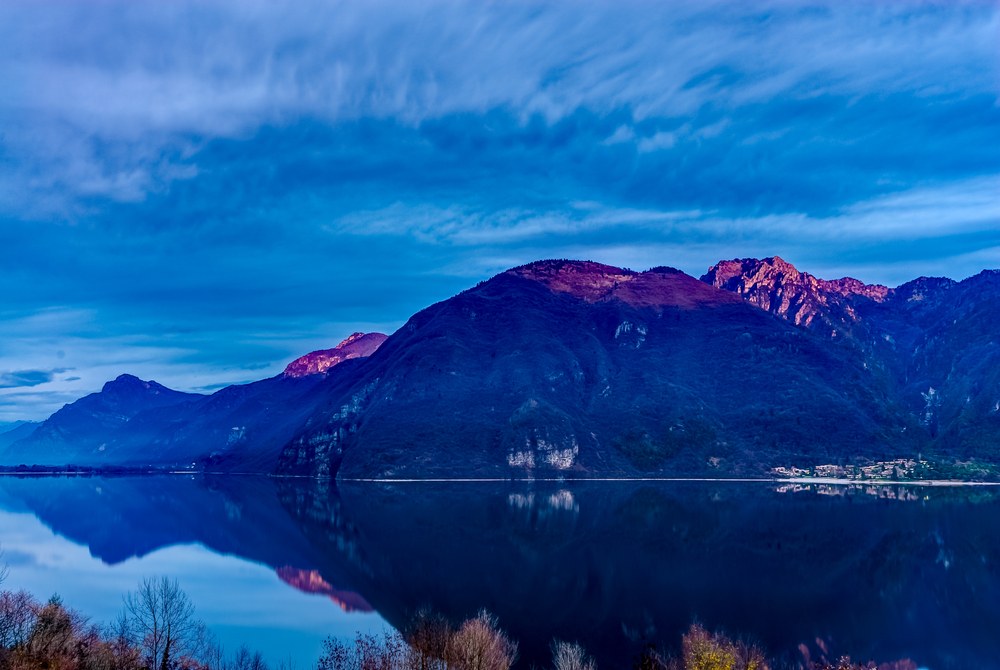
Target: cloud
{"type": "Point", "coordinates": [112, 98]}
{"type": "Point", "coordinates": [28, 378]}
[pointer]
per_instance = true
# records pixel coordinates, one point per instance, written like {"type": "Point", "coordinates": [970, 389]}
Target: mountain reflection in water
{"type": "Point", "coordinates": [876, 572]}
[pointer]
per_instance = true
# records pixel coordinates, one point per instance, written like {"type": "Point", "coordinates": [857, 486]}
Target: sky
{"type": "Point", "coordinates": [199, 192]}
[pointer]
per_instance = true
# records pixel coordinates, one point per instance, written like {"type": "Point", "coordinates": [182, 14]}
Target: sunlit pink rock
{"type": "Point", "coordinates": [358, 345]}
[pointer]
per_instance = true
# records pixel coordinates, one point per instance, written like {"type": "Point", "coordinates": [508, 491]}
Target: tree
{"type": "Point", "coordinates": [480, 645]}
{"type": "Point", "coordinates": [122, 654]}
{"type": "Point", "coordinates": [428, 636]}
{"type": "Point", "coordinates": [369, 652]}
{"type": "Point", "coordinates": [161, 619]}
{"type": "Point", "coordinates": [4, 568]}
{"type": "Point", "coordinates": [54, 638]}
{"type": "Point", "coordinates": [569, 656]}
{"type": "Point", "coordinates": [205, 647]}
{"type": "Point", "coordinates": [18, 611]}
{"type": "Point", "coordinates": [248, 660]}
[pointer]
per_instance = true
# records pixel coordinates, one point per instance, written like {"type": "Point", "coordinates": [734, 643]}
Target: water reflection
{"type": "Point", "coordinates": [879, 572]}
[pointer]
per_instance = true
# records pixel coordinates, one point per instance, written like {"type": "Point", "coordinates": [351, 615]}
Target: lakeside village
{"type": "Point", "coordinates": [898, 470]}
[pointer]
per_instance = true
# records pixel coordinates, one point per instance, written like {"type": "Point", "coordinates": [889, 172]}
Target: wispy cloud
{"type": "Point", "coordinates": [115, 87]}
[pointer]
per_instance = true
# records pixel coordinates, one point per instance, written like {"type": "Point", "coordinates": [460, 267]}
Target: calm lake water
{"type": "Point", "coordinates": [880, 573]}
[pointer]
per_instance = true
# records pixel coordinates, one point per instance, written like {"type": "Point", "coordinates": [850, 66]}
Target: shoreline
{"type": "Point", "coordinates": [832, 481]}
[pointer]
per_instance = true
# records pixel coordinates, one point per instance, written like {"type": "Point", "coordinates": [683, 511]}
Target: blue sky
{"type": "Point", "coordinates": [199, 192]}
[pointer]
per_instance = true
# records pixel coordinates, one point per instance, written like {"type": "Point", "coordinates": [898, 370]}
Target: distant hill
{"type": "Point", "coordinates": [131, 422]}
{"type": "Point", "coordinates": [17, 430]}
{"type": "Point", "coordinates": [81, 431]}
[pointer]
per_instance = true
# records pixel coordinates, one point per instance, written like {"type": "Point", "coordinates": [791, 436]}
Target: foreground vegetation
{"type": "Point", "coordinates": [479, 644]}
{"type": "Point", "coordinates": [157, 630]}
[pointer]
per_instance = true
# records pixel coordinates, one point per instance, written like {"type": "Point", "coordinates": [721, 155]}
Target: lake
{"type": "Point", "coordinates": [877, 572]}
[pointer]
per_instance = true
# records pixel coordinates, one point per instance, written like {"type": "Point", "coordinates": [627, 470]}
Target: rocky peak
{"type": "Point", "coordinates": [130, 384]}
{"type": "Point", "coordinates": [357, 345]}
{"type": "Point", "coordinates": [775, 285]}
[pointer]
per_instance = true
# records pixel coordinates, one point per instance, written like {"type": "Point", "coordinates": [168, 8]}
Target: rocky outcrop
{"type": "Point", "coordinates": [774, 285]}
{"type": "Point", "coordinates": [358, 345]}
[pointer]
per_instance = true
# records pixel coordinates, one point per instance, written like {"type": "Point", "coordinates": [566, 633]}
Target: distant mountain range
{"type": "Point", "coordinates": [14, 431]}
{"type": "Point", "coordinates": [567, 368]}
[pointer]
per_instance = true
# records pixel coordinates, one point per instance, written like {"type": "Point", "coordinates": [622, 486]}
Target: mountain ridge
{"type": "Point", "coordinates": [576, 368]}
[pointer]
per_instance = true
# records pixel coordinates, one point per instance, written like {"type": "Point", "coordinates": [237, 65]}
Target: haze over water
{"type": "Point", "coordinates": [881, 572]}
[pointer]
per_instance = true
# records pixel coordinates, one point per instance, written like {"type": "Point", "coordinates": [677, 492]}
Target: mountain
{"type": "Point", "coordinates": [239, 427]}
{"type": "Point", "coordinates": [562, 367]}
{"type": "Point", "coordinates": [136, 423]}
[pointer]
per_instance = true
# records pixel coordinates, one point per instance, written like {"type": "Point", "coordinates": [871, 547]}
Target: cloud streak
{"type": "Point", "coordinates": [28, 378]}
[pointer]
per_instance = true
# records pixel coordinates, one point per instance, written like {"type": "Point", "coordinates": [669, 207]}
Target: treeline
{"type": "Point", "coordinates": [157, 630]}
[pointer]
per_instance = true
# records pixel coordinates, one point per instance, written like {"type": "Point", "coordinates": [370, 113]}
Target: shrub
{"type": "Point", "coordinates": [701, 650]}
